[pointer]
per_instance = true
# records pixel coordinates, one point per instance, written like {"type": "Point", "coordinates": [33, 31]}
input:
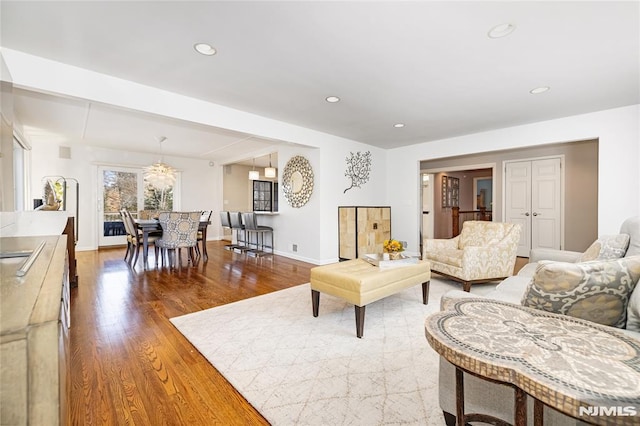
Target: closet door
{"type": "Point", "coordinates": [533, 198]}
{"type": "Point", "coordinates": [518, 201]}
{"type": "Point", "coordinates": [546, 197]}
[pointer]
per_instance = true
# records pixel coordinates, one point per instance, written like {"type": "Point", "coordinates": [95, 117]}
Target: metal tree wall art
{"type": "Point", "coordinates": [358, 168]}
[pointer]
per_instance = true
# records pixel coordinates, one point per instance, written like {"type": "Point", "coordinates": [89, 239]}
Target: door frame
{"type": "Point", "coordinates": [562, 186]}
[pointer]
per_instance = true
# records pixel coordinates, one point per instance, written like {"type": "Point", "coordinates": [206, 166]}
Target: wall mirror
{"type": "Point", "coordinates": [297, 181]}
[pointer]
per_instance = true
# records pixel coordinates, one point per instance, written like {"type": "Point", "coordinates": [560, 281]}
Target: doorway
{"type": "Point", "coordinates": [438, 222]}
{"type": "Point", "coordinates": [426, 226]}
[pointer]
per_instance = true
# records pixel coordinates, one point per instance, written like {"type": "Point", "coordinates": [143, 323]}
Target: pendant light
{"type": "Point", "coordinates": [254, 174]}
{"type": "Point", "coordinates": [270, 172]}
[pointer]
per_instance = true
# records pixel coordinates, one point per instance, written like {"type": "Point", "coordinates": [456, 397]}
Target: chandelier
{"type": "Point", "coordinates": [160, 175]}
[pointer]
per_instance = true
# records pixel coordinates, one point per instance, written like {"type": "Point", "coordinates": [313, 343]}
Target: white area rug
{"type": "Point", "coordinates": [297, 369]}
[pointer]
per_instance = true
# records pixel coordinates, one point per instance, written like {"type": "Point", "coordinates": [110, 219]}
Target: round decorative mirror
{"type": "Point", "coordinates": [297, 181]}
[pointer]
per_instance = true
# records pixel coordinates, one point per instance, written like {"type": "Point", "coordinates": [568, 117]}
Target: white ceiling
{"type": "Point", "coordinates": [429, 65]}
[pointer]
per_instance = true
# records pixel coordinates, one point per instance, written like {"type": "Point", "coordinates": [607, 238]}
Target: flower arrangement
{"type": "Point", "coordinates": [392, 246]}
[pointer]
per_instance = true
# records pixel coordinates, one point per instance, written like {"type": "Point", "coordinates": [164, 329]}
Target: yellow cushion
{"type": "Point", "coordinates": [361, 283]}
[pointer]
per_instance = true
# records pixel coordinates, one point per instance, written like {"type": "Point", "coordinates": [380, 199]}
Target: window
{"type": "Point", "coordinates": [265, 196]}
{"type": "Point", "coordinates": [20, 173]}
{"type": "Point", "coordinates": [125, 188]}
{"type": "Point", "coordinates": [157, 199]}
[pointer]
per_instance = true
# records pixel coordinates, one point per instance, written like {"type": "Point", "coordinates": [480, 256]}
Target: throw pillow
{"type": "Point", "coordinates": [597, 291]}
{"type": "Point", "coordinates": [633, 310]}
{"type": "Point", "coordinates": [606, 247]}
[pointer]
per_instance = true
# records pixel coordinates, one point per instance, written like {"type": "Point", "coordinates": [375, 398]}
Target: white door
{"type": "Point", "coordinates": [118, 188]}
{"type": "Point", "coordinates": [546, 196]}
{"type": "Point", "coordinates": [533, 194]}
{"type": "Point", "coordinates": [518, 201]}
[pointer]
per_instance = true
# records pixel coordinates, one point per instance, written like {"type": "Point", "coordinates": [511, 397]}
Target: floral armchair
{"type": "Point", "coordinates": [484, 251]}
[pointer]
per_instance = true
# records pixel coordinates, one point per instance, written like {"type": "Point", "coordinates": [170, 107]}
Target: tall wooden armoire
{"type": "Point", "coordinates": [362, 230]}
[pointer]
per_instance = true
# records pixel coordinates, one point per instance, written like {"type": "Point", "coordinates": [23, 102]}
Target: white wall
{"type": "Point", "coordinates": [314, 226]}
{"type": "Point", "coordinates": [395, 173]}
{"type": "Point", "coordinates": [618, 131]}
{"type": "Point", "coordinates": [201, 186]}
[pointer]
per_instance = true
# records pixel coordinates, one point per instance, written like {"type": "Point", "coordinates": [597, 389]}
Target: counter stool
{"type": "Point", "coordinates": [252, 228]}
{"type": "Point", "coordinates": [226, 223]}
{"type": "Point", "coordinates": [235, 219]}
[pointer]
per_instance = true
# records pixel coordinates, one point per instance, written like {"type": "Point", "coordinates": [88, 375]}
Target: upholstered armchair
{"type": "Point", "coordinates": [484, 251]}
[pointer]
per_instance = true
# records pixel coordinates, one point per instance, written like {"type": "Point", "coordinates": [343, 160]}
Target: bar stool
{"type": "Point", "coordinates": [251, 226]}
{"type": "Point", "coordinates": [226, 223]}
{"type": "Point", "coordinates": [235, 219]}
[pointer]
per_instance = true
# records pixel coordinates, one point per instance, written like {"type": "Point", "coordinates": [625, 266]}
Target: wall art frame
{"type": "Point", "coordinates": [450, 191]}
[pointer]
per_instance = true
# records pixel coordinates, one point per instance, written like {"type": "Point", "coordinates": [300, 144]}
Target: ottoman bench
{"type": "Point", "coordinates": [359, 282]}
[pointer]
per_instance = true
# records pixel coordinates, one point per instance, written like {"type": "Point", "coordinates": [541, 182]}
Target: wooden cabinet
{"type": "Point", "coordinates": [34, 322]}
{"type": "Point", "coordinates": [362, 230]}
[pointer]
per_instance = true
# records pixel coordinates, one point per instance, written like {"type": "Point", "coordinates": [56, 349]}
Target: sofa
{"type": "Point", "coordinates": [524, 288]}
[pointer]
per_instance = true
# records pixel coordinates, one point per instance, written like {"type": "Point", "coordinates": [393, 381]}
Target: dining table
{"type": "Point", "coordinates": [147, 226]}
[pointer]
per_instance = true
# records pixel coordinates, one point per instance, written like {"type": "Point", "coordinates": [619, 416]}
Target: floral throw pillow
{"type": "Point", "coordinates": [596, 291]}
{"type": "Point", "coordinates": [606, 247]}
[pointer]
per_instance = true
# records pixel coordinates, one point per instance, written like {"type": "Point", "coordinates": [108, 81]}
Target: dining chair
{"type": "Point", "coordinates": [134, 238]}
{"type": "Point", "coordinates": [205, 217]}
{"type": "Point", "coordinates": [127, 230]}
{"type": "Point", "coordinates": [179, 230]}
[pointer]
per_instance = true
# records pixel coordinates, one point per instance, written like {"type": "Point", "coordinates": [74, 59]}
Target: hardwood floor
{"type": "Point", "coordinates": [129, 365]}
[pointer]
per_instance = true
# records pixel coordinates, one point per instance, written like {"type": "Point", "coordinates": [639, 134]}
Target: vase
{"type": "Point", "coordinates": [395, 255]}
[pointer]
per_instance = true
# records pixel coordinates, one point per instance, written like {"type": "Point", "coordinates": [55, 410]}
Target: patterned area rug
{"type": "Point", "coordinates": [297, 369]}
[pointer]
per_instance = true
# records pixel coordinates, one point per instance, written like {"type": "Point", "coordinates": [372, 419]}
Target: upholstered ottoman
{"type": "Point", "coordinates": [361, 283]}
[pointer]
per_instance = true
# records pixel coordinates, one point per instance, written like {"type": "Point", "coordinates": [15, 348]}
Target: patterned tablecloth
{"type": "Point", "coordinates": [580, 368]}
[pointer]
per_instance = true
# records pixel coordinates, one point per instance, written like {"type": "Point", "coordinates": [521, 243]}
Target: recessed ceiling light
{"type": "Point", "coordinates": [332, 99]}
{"type": "Point", "coordinates": [501, 30]}
{"type": "Point", "coordinates": [205, 49]}
{"type": "Point", "coordinates": [539, 90]}
{"type": "Point", "coordinates": [398, 125]}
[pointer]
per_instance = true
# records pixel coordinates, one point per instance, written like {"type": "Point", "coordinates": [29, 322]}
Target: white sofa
{"type": "Point", "coordinates": [496, 399]}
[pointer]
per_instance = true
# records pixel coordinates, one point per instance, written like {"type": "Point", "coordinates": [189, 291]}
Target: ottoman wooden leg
{"type": "Point", "coordinates": [425, 292]}
{"type": "Point", "coordinates": [315, 301]}
{"type": "Point", "coordinates": [359, 320]}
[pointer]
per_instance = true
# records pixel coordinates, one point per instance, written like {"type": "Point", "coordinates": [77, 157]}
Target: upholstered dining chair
{"type": "Point", "coordinates": [483, 252]}
{"type": "Point", "coordinates": [134, 238]}
{"type": "Point", "coordinates": [179, 230]}
{"type": "Point", "coordinates": [148, 214]}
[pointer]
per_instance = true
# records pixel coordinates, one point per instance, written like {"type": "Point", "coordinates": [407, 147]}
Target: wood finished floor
{"type": "Point", "coordinates": [129, 365]}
